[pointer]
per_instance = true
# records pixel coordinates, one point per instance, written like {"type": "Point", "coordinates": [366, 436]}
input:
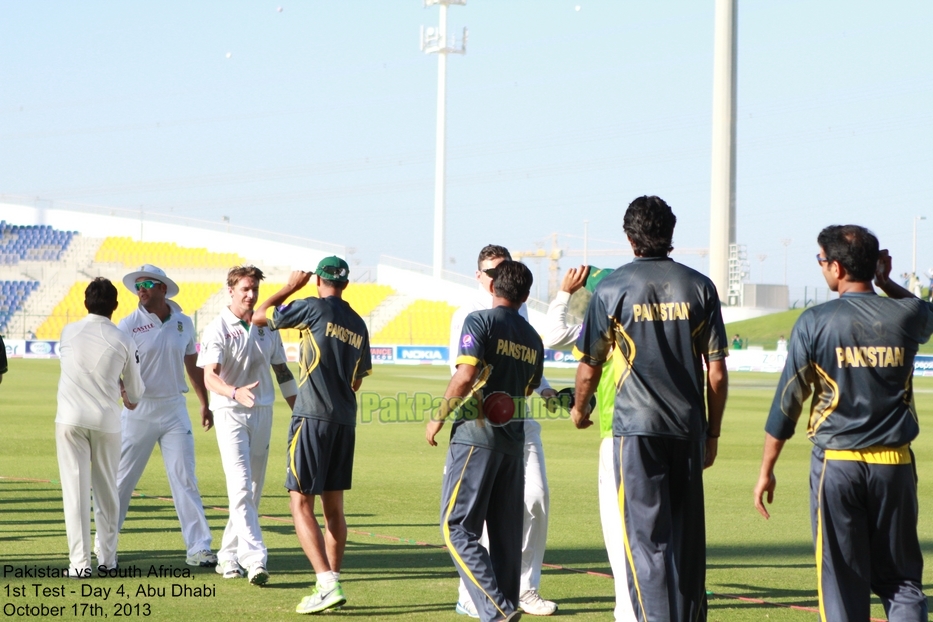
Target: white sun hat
{"type": "Point", "coordinates": [148, 271]}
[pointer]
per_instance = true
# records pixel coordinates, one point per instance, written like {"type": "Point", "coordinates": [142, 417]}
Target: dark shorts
{"type": "Point", "coordinates": [319, 457]}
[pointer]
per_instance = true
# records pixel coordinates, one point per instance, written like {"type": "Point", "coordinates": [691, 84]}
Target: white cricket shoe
{"type": "Point", "coordinates": [532, 604]}
{"type": "Point", "coordinates": [467, 609]}
{"type": "Point", "coordinates": [204, 558]}
{"type": "Point", "coordinates": [230, 569]}
{"type": "Point", "coordinates": [258, 574]}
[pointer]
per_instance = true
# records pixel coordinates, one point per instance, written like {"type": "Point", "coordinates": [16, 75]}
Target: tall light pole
{"type": "Point", "coordinates": [913, 264]}
{"type": "Point", "coordinates": [436, 41]}
{"type": "Point", "coordinates": [722, 191]}
{"type": "Point", "coordinates": [786, 242]}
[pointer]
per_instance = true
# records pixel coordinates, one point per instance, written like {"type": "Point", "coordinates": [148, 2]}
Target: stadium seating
{"type": "Point", "coordinates": [424, 322]}
{"type": "Point", "coordinates": [363, 297]}
{"type": "Point", "coordinates": [31, 243]}
{"type": "Point", "coordinates": [190, 298]}
{"type": "Point", "coordinates": [13, 295]}
{"type": "Point", "coordinates": [166, 255]}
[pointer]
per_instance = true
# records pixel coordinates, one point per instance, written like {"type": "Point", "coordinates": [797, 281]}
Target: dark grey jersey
{"type": "Point", "coordinates": [855, 355]}
{"type": "Point", "coordinates": [659, 319]}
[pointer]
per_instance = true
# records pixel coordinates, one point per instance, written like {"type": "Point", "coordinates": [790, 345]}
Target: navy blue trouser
{"type": "Point", "coordinates": [485, 486]}
{"type": "Point", "coordinates": [660, 482]}
{"type": "Point", "coordinates": [863, 506]}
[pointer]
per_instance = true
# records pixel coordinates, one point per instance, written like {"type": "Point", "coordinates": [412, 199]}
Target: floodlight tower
{"type": "Point", "coordinates": [722, 199]}
{"type": "Point", "coordinates": [436, 41]}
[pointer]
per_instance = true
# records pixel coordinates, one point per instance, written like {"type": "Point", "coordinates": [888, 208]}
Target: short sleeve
{"type": "Point", "coordinates": [365, 365]}
{"type": "Point", "coordinates": [212, 351]}
{"type": "Point", "coordinates": [295, 314]}
{"type": "Point", "coordinates": [192, 345]}
{"type": "Point", "coordinates": [794, 387]}
{"type": "Point", "coordinates": [595, 338]}
{"type": "Point", "coordinates": [717, 345]}
{"type": "Point", "coordinates": [472, 346]}
{"type": "Point", "coordinates": [278, 350]}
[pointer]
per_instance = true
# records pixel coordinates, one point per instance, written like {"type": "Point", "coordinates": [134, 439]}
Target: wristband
{"type": "Point", "coordinates": [233, 395]}
{"type": "Point", "coordinates": [289, 388]}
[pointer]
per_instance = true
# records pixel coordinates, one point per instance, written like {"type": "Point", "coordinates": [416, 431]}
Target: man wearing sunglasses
{"type": "Point", "coordinates": [166, 342]}
{"type": "Point", "coordinates": [537, 499]}
{"type": "Point", "coordinates": [855, 355]}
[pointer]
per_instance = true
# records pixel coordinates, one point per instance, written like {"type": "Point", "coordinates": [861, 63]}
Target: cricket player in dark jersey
{"type": "Point", "coordinates": [484, 481]}
{"type": "Point", "coordinates": [334, 360]}
{"type": "Point", "coordinates": [659, 321]}
{"type": "Point", "coordinates": [855, 356]}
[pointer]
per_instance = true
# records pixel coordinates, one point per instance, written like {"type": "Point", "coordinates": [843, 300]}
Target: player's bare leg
{"type": "Point", "coordinates": [335, 524]}
{"type": "Point", "coordinates": [325, 552]}
{"type": "Point", "coordinates": [308, 531]}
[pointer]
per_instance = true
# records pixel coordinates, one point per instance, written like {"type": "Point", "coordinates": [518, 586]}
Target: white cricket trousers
{"type": "Point", "coordinates": [166, 421]}
{"type": "Point", "coordinates": [243, 439]}
{"type": "Point", "coordinates": [534, 522]}
{"type": "Point", "coordinates": [611, 521]}
{"type": "Point", "coordinates": [89, 458]}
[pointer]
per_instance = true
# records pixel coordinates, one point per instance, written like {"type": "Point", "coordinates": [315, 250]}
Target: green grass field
{"type": "Point", "coordinates": [394, 568]}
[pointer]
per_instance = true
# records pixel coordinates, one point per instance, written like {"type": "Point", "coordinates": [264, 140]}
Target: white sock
{"type": "Point", "coordinates": [336, 576]}
{"type": "Point", "coordinates": [326, 580]}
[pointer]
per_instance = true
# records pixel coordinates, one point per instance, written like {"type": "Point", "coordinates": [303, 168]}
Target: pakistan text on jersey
{"type": "Point", "coordinates": [343, 334]}
{"type": "Point", "coordinates": [517, 351]}
{"type": "Point", "coordinates": [661, 311]}
{"type": "Point", "coordinates": [870, 356]}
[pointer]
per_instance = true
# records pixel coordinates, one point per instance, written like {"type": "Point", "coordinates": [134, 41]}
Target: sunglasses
{"type": "Point", "coordinates": [821, 259]}
{"type": "Point", "coordinates": [147, 285]}
{"type": "Point", "coordinates": [490, 272]}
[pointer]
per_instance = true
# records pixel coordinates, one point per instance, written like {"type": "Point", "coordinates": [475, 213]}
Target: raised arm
{"type": "Point", "coordinates": [296, 280]}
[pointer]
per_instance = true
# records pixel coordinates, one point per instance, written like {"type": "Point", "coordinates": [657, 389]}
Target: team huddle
{"type": "Point", "coordinates": [652, 372]}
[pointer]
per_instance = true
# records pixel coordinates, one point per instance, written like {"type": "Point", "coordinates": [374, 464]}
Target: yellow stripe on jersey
{"type": "Point", "coordinates": [465, 359]}
{"type": "Point", "coordinates": [450, 545]}
{"type": "Point", "coordinates": [877, 454]}
{"type": "Point", "coordinates": [826, 402]}
{"type": "Point", "coordinates": [312, 355]}
{"type": "Point", "coordinates": [622, 355]}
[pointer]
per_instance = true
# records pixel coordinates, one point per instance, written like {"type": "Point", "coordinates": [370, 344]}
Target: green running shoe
{"type": "Point", "coordinates": [320, 601]}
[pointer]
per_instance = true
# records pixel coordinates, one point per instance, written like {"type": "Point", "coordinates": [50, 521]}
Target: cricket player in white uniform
{"type": "Point", "coordinates": [167, 348]}
{"type": "Point", "coordinates": [236, 357]}
{"type": "Point", "coordinates": [95, 354]}
{"type": "Point", "coordinates": [537, 499]}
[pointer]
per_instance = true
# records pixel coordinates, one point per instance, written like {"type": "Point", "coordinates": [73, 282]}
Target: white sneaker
{"type": "Point", "coordinates": [258, 574]}
{"type": "Point", "coordinates": [532, 604]}
{"type": "Point", "coordinates": [204, 558]}
{"type": "Point", "coordinates": [78, 573]}
{"type": "Point", "coordinates": [230, 569]}
{"type": "Point", "coordinates": [467, 609]}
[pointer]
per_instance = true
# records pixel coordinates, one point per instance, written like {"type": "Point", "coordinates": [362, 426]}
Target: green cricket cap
{"type": "Point", "coordinates": [596, 275]}
{"type": "Point", "coordinates": [333, 268]}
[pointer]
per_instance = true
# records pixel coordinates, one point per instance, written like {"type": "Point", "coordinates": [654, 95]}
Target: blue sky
{"type": "Point", "coordinates": [321, 121]}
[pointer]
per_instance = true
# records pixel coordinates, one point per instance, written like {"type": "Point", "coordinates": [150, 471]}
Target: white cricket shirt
{"type": "Point", "coordinates": [162, 349]}
{"type": "Point", "coordinates": [94, 354]}
{"type": "Point", "coordinates": [244, 353]}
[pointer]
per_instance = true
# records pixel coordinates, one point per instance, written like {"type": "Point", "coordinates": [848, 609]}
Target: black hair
{"type": "Point", "coordinates": [100, 297]}
{"type": "Point", "coordinates": [492, 251]}
{"type": "Point", "coordinates": [853, 247]}
{"type": "Point", "coordinates": [513, 281]}
{"type": "Point", "coordinates": [649, 224]}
